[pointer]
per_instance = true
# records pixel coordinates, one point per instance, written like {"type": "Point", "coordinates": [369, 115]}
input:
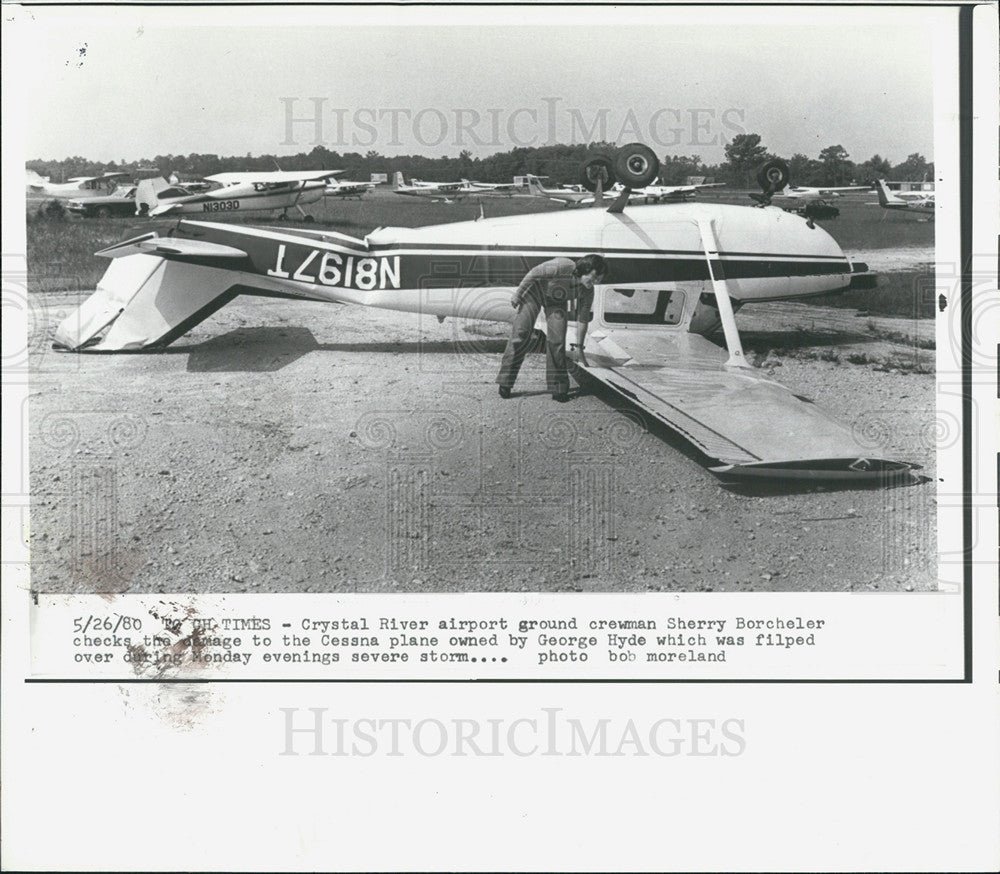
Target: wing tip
{"type": "Point", "coordinates": [870, 470]}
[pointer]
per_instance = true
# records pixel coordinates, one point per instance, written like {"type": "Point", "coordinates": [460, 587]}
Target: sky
{"type": "Point", "coordinates": [135, 84]}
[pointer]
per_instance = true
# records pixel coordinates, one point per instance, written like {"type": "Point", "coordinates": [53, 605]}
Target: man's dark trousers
{"type": "Point", "coordinates": [556, 372]}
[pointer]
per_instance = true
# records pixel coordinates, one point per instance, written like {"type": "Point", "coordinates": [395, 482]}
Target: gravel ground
{"type": "Point", "coordinates": [301, 447]}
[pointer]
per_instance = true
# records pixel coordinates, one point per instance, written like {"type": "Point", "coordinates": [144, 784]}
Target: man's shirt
{"type": "Point", "coordinates": [553, 282]}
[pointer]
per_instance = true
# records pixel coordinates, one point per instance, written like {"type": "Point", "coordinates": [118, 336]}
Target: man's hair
{"type": "Point", "coordinates": [591, 264]}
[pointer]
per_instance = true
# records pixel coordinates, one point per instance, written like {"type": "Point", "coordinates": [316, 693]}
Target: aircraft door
{"type": "Point", "coordinates": [633, 306]}
{"type": "Point", "coordinates": [657, 271]}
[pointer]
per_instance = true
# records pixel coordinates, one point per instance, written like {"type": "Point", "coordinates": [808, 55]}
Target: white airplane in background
{"type": "Point", "coordinates": [32, 178]}
{"type": "Point", "coordinates": [345, 189]}
{"type": "Point", "coordinates": [494, 188]}
{"type": "Point", "coordinates": [801, 192]}
{"type": "Point", "coordinates": [575, 195]}
{"type": "Point", "coordinates": [918, 201]}
{"type": "Point", "coordinates": [447, 192]}
{"type": "Point", "coordinates": [443, 191]}
{"type": "Point", "coordinates": [659, 193]}
{"type": "Point", "coordinates": [236, 192]}
{"type": "Point", "coordinates": [675, 272]}
{"type": "Point", "coordinates": [78, 187]}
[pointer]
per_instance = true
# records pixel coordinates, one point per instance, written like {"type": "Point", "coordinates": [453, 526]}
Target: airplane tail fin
{"type": "Point", "coordinates": [144, 301]}
{"type": "Point", "coordinates": [397, 180]}
{"type": "Point", "coordinates": [534, 186]}
{"type": "Point", "coordinates": [883, 192]}
{"type": "Point", "coordinates": [146, 194]}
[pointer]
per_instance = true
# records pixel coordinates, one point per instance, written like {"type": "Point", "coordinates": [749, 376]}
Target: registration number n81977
{"type": "Point", "coordinates": [334, 268]}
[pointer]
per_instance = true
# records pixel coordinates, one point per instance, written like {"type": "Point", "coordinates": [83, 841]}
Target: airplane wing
{"type": "Point", "coordinates": [847, 188]}
{"type": "Point", "coordinates": [749, 425]}
{"type": "Point", "coordinates": [275, 176]}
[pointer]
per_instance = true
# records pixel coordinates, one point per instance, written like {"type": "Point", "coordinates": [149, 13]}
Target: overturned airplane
{"type": "Point", "coordinates": [677, 272]}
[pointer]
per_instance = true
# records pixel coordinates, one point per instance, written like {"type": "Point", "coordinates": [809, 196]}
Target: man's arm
{"type": "Point", "coordinates": [584, 313]}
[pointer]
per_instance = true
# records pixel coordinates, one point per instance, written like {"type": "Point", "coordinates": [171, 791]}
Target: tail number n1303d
{"type": "Point", "coordinates": [334, 268]}
{"type": "Point", "coordinates": [220, 205]}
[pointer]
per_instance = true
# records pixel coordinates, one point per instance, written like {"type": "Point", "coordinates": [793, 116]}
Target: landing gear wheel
{"type": "Point", "coordinates": [636, 165]}
{"type": "Point", "coordinates": [283, 218]}
{"type": "Point", "coordinates": [773, 176]}
{"type": "Point", "coordinates": [308, 218]}
{"type": "Point", "coordinates": [103, 212]}
{"type": "Point", "coordinates": [600, 167]}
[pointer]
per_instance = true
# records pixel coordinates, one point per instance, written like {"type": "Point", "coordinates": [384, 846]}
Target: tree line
{"type": "Point", "coordinates": [560, 163]}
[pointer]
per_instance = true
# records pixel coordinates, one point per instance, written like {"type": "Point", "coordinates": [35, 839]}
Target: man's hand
{"type": "Point", "coordinates": [515, 301]}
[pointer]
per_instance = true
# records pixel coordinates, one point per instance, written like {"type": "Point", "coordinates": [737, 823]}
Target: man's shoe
{"type": "Point", "coordinates": [561, 397]}
{"type": "Point", "coordinates": [504, 392]}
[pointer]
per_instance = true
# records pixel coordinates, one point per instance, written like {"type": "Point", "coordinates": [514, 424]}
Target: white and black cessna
{"type": "Point", "coordinates": [236, 193]}
{"type": "Point", "coordinates": [676, 272]}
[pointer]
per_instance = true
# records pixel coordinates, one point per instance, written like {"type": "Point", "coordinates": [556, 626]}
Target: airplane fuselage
{"type": "Point", "coordinates": [469, 268]}
{"type": "Point", "coordinates": [74, 190]}
{"type": "Point", "coordinates": [157, 288]}
{"type": "Point", "coordinates": [243, 197]}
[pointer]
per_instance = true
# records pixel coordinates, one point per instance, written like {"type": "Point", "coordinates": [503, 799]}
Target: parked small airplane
{"type": "Point", "coordinates": [800, 192]}
{"type": "Point", "coordinates": [658, 193]}
{"type": "Point", "coordinates": [918, 201]}
{"type": "Point", "coordinates": [78, 187]}
{"type": "Point", "coordinates": [505, 189]}
{"type": "Point", "coordinates": [236, 192]}
{"type": "Point", "coordinates": [567, 195]}
{"type": "Point", "coordinates": [447, 192]}
{"type": "Point", "coordinates": [345, 189]}
{"type": "Point", "coordinates": [676, 272]}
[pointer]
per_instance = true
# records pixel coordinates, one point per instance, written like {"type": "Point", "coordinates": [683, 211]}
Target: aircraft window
{"type": "Point", "coordinates": [643, 306]}
{"type": "Point", "coordinates": [172, 192]}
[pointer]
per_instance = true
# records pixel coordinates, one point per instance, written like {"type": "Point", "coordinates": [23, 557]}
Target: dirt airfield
{"type": "Point", "coordinates": [302, 447]}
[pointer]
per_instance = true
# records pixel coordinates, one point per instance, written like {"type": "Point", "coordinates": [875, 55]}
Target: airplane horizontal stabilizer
{"type": "Point", "coordinates": [171, 247]}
